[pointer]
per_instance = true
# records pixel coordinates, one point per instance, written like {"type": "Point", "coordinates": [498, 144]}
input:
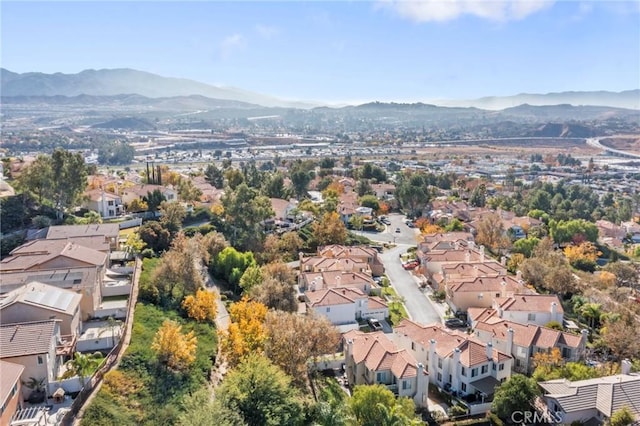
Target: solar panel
{"type": "Point", "coordinates": [55, 299]}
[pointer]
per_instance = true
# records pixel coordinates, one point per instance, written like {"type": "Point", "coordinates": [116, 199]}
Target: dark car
{"type": "Point", "coordinates": [374, 324]}
{"type": "Point", "coordinates": [455, 323]}
{"type": "Point", "coordinates": [398, 230]}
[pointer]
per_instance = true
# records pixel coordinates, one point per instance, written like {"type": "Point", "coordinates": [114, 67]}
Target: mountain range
{"type": "Point", "coordinates": [118, 82]}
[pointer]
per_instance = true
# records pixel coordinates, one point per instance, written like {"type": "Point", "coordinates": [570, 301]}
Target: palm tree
{"type": "Point", "coordinates": [591, 312]}
{"type": "Point", "coordinates": [85, 365]}
{"type": "Point", "coordinates": [393, 417]}
{"type": "Point", "coordinates": [331, 414]}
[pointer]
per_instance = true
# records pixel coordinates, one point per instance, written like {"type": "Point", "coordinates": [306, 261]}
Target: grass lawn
{"type": "Point", "coordinates": [124, 233]}
{"type": "Point", "coordinates": [397, 310]}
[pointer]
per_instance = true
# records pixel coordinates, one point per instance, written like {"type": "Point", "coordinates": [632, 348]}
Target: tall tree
{"type": "Point", "coordinates": [175, 349]}
{"type": "Point", "coordinates": [246, 333]}
{"type": "Point", "coordinates": [491, 233]}
{"type": "Point", "coordinates": [371, 404]}
{"type": "Point", "coordinates": [330, 230]}
{"type": "Point", "coordinates": [300, 180]}
{"type": "Point", "coordinates": [295, 339]}
{"type": "Point", "coordinates": [198, 410]}
{"type": "Point", "coordinates": [214, 176]}
{"type": "Point", "coordinates": [245, 211]}
{"type": "Point", "coordinates": [201, 306]}
{"type": "Point", "coordinates": [517, 393]}
{"type": "Point", "coordinates": [261, 393]}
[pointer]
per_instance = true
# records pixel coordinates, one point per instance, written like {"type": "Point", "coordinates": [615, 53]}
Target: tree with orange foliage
{"type": "Point", "coordinates": [246, 333]}
{"type": "Point", "coordinates": [384, 208]}
{"type": "Point", "coordinates": [201, 307]}
{"type": "Point", "coordinates": [175, 349]}
{"type": "Point", "coordinates": [582, 256]}
{"type": "Point", "coordinates": [336, 187]}
{"type": "Point", "coordinates": [330, 230]}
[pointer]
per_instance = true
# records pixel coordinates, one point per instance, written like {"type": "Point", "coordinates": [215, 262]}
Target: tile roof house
{"type": "Point", "coordinates": [364, 253]}
{"type": "Point", "coordinates": [107, 204]}
{"type": "Point", "coordinates": [345, 305]}
{"type": "Point", "coordinates": [139, 191]}
{"type": "Point", "coordinates": [34, 346]}
{"type": "Point", "coordinates": [474, 292]}
{"type": "Point", "coordinates": [593, 399]}
{"type": "Point", "coordinates": [371, 358]}
{"type": "Point", "coordinates": [94, 236]}
{"type": "Point", "coordinates": [315, 281]}
{"type": "Point", "coordinates": [321, 264]}
{"type": "Point", "coordinates": [539, 309]}
{"type": "Point", "coordinates": [38, 302]}
{"type": "Point", "coordinates": [42, 255]}
{"type": "Point", "coordinates": [454, 360]}
{"type": "Point", "coordinates": [522, 341]}
{"type": "Point", "coordinates": [10, 390]}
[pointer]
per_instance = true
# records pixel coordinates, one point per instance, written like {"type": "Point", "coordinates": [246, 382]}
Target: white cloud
{"type": "Point", "coordinates": [267, 31]}
{"type": "Point", "coordinates": [447, 10]}
{"type": "Point", "coordinates": [231, 44]}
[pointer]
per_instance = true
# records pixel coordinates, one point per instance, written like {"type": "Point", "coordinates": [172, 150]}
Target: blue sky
{"type": "Point", "coordinates": [339, 51]}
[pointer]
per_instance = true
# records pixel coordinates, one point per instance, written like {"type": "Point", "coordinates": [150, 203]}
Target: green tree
{"type": "Point", "coordinates": [230, 265]}
{"type": "Point", "coordinates": [251, 278]}
{"type": "Point", "coordinates": [517, 393]}
{"type": "Point", "coordinates": [525, 246]}
{"type": "Point", "coordinates": [261, 394]}
{"type": "Point", "coordinates": [37, 179]}
{"type": "Point", "coordinates": [156, 236]}
{"type": "Point", "coordinates": [172, 215]}
{"type": "Point", "coordinates": [83, 365]}
{"type": "Point", "coordinates": [198, 409]}
{"type": "Point", "coordinates": [454, 225]}
{"type": "Point", "coordinates": [154, 199]}
{"type": "Point", "coordinates": [245, 211]}
{"type": "Point", "coordinates": [300, 181]}
{"type": "Point", "coordinates": [622, 417]}
{"type": "Point", "coordinates": [371, 404]}
{"type": "Point", "coordinates": [330, 230]}
{"type": "Point", "coordinates": [214, 176]}
{"type": "Point", "coordinates": [370, 201]}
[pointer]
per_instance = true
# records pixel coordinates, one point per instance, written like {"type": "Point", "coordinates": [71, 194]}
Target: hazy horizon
{"type": "Point", "coordinates": [339, 52]}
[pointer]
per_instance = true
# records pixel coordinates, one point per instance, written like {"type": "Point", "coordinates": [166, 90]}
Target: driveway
{"type": "Point", "coordinates": [419, 307]}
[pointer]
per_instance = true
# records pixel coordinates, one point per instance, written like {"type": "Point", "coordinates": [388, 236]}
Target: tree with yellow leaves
{"type": "Point", "coordinates": [201, 307]}
{"type": "Point", "coordinates": [582, 256]}
{"type": "Point", "coordinates": [330, 230]}
{"type": "Point", "coordinates": [246, 333]}
{"type": "Point", "coordinates": [175, 349]}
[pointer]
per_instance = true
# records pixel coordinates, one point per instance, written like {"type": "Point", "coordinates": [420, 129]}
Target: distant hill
{"type": "Point", "coordinates": [112, 82]}
{"type": "Point", "coordinates": [627, 99]}
{"type": "Point", "coordinates": [126, 123]}
{"type": "Point", "coordinates": [175, 103]}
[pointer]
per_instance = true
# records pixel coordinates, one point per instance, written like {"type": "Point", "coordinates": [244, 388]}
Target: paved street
{"type": "Point", "coordinates": [420, 308]}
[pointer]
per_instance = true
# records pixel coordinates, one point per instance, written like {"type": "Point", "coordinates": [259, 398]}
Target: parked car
{"type": "Point", "coordinates": [374, 324]}
{"type": "Point", "coordinates": [455, 323]}
{"type": "Point", "coordinates": [397, 230]}
{"type": "Point", "coordinates": [412, 264]}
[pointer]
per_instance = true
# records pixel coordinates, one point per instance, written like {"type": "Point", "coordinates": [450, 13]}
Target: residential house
{"type": "Point", "coordinates": [593, 401]}
{"type": "Point", "coordinates": [522, 341]}
{"type": "Point", "coordinates": [610, 230]}
{"type": "Point", "coordinates": [210, 194]}
{"type": "Point", "coordinates": [321, 264]}
{"type": "Point", "coordinates": [539, 309]}
{"type": "Point", "coordinates": [434, 260]}
{"type": "Point", "coordinates": [364, 253]}
{"type": "Point", "coordinates": [84, 234]}
{"type": "Point", "coordinates": [107, 204]}
{"type": "Point", "coordinates": [283, 209]}
{"type": "Point", "coordinates": [480, 292]}
{"type": "Point", "coordinates": [454, 360]}
{"type": "Point", "coordinates": [39, 302]}
{"type": "Point", "coordinates": [345, 305]}
{"type": "Point", "coordinates": [456, 271]}
{"type": "Point", "coordinates": [371, 358]}
{"type": "Point", "coordinates": [384, 191]}
{"type": "Point", "coordinates": [84, 281]}
{"type": "Point", "coordinates": [140, 191]}
{"type": "Point", "coordinates": [315, 281]}
{"type": "Point", "coordinates": [10, 390]}
{"type": "Point", "coordinates": [34, 346]}
{"type": "Point", "coordinates": [347, 205]}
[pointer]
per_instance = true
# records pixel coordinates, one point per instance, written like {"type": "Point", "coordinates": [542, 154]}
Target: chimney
{"type": "Point", "coordinates": [481, 254]}
{"type": "Point", "coordinates": [503, 260]}
{"type": "Point", "coordinates": [467, 256]}
{"type": "Point", "coordinates": [510, 341]}
{"type": "Point", "coordinates": [554, 310]}
{"type": "Point", "coordinates": [300, 255]}
{"type": "Point", "coordinates": [432, 355]}
{"type": "Point", "coordinates": [456, 246]}
{"type": "Point", "coordinates": [503, 288]}
{"type": "Point", "coordinates": [489, 350]}
{"type": "Point", "coordinates": [625, 367]}
{"type": "Point", "coordinates": [349, 347]}
{"type": "Point", "coordinates": [519, 276]}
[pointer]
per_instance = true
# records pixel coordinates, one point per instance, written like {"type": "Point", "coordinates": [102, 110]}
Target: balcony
{"type": "Point", "coordinates": [66, 345]}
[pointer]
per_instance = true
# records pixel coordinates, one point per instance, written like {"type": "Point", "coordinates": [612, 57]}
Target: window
{"type": "Point", "coordinates": [439, 362]}
{"type": "Point", "coordinates": [40, 360]}
{"type": "Point", "coordinates": [380, 377]}
{"type": "Point", "coordinates": [406, 384]}
{"type": "Point", "coordinates": [439, 377]}
{"type": "Point", "coordinates": [110, 203]}
{"type": "Point", "coordinates": [484, 369]}
{"type": "Point", "coordinates": [566, 353]}
{"type": "Point", "coordinates": [497, 294]}
{"type": "Point", "coordinates": [449, 378]}
{"type": "Point", "coordinates": [328, 309]}
{"type": "Point", "coordinates": [474, 372]}
{"type": "Point", "coordinates": [493, 366]}
{"type": "Point", "coordinates": [464, 371]}
{"type": "Point", "coordinates": [501, 367]}
{"type": "Point", "coordinates": [464, 387]}
{"type": "Point", "coordinates": [14, 390]}
{"type": "Point", "coordinates": [531, 317]}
